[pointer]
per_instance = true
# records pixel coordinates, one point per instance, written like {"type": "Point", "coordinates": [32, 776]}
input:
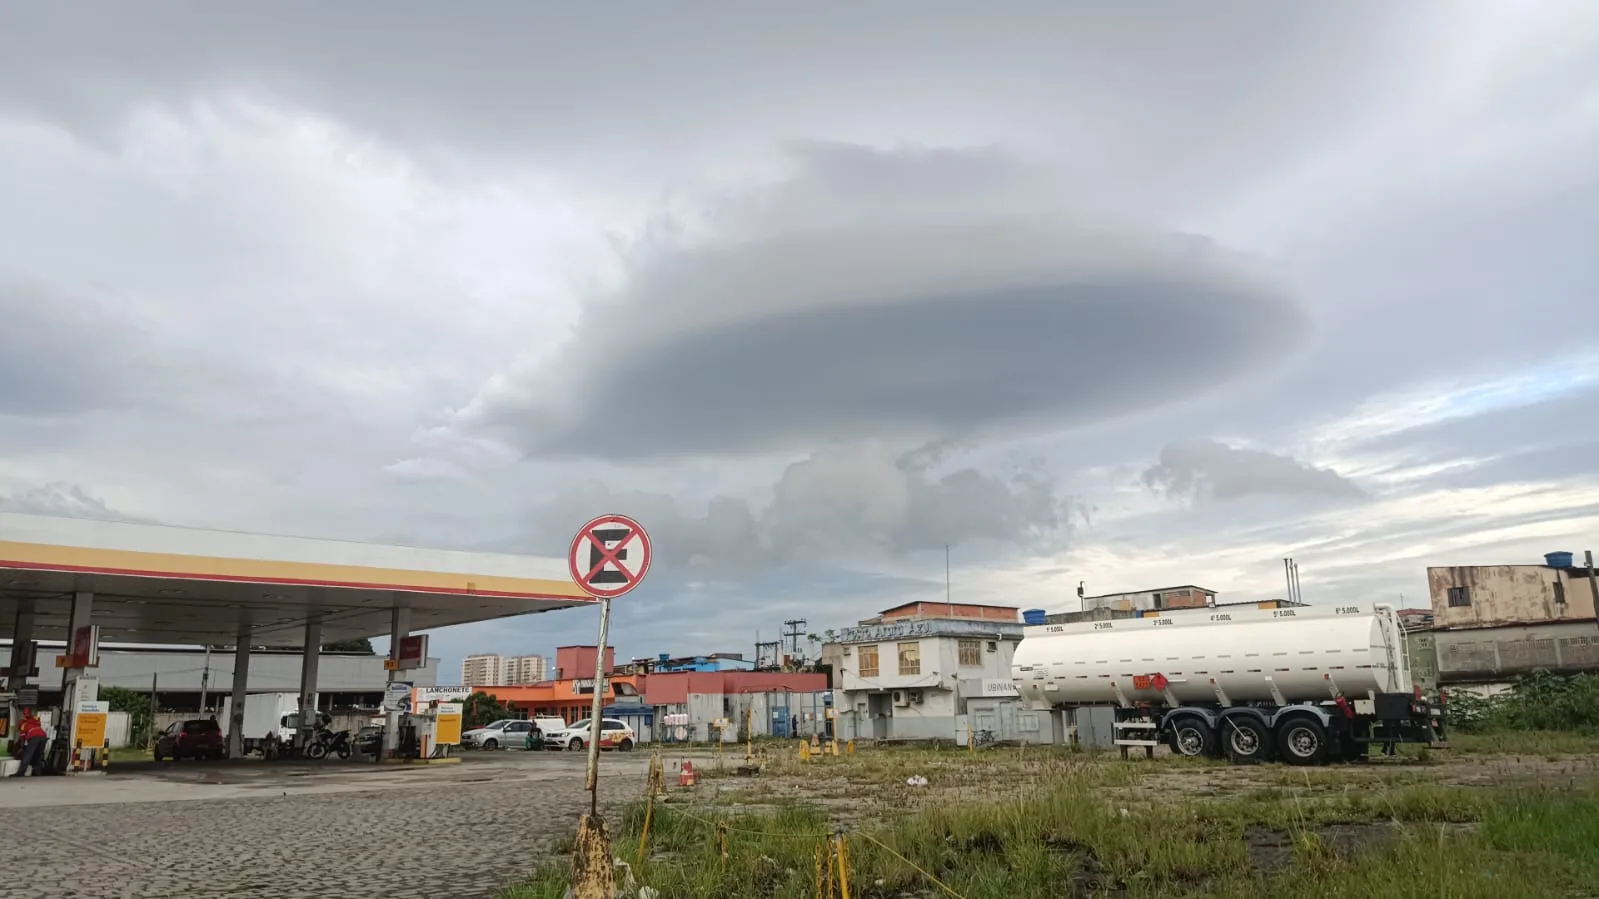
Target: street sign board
{"type": "Point", "coordinates": [609, 556]}
{"type": "Point", "coordinates": [412, 652]}
{"type": "Point", "coordinates": [397, 697]}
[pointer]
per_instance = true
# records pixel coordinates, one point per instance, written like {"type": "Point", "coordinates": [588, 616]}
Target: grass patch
{"type": "Point", "coordinates": [1054, 824]}
{"type": "Point", "coordinates": [1529, 742]}
{"type": "Point", "coordinates": [129, 754]}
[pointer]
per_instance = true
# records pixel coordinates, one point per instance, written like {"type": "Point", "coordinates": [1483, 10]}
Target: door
{"type": "Point", "coordinates": [780, 722]}
{"type": "Point", "coordinates": [880, 706]}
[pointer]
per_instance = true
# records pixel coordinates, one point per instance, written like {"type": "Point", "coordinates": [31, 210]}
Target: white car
{"type": "Point", "coordinates": [614, 734]}
{"type": "Point", "coordinates": [505, 733]}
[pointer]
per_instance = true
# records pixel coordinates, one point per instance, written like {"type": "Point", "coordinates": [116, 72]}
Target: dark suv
{"type": "Point", "coordinates": [200, 738]}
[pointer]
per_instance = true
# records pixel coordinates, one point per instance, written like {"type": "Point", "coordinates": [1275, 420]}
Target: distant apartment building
{"type": "Point", "coordinates": [483, 670]}
{"type": "Point", "coordinates": [1493, 622]}
{"type": "Point", "coordinates": [525, 670]}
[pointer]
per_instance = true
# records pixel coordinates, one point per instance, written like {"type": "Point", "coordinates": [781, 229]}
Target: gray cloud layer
{"type": "Point", "coordinates": [1212, 469]}
{"type": "Point", "coordinates": [845, 504]}
{"type": "Point", "coordinates": [912, 295]}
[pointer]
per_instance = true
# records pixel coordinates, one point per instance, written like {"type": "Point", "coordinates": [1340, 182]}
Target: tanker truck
{"type": "Point", "coordinates": [1306, 684]}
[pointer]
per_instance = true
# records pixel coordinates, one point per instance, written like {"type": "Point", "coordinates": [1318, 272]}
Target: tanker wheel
{"type": "Point", "coordinates": [1246, 740]}
{"type": "Point", "coordinates": [1190, 738]}
{"type": "Point", "coordinates": [1302, 742]}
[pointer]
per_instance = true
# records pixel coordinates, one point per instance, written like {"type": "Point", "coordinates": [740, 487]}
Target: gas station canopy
{"type": "Point", "coordinates": [160, 584]}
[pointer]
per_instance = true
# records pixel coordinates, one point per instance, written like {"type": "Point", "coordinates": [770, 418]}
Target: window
{"type": "Point", "coordinates": [910, 658]}
{"type": "Point", "coordinates": [971, 653]}
{"type": "Point", "coordinates": [1459, 596]}
{"type": "Point", "coordinates": [868, 661]}
{"type": "Point", "coordinates": [1560, 593]}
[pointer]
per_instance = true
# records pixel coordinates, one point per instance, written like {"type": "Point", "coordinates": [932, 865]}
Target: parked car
{"type": "Point", "coordinates": [507, 732]}
{"type": "Point", "coordinates": [614, 734]}
{"type": "Point", "coordinates": [195, 739]}
{"type": "Point", "coordinates": [369, 740]}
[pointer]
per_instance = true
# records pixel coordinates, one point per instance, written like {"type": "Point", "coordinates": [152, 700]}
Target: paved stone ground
{"type": "Point", "coordinates": [244, 830]}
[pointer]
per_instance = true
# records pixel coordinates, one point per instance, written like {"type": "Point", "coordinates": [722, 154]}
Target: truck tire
{"type": "Point", "coordinates": [1245, 740]}
{"type": "Point", "coordinates": [1192, 738]}
{"type": "Point", "coordinates": [1302, 741]}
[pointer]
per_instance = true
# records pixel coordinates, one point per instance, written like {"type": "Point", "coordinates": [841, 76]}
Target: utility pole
{"type": "Point", "coordinates": [946, 576]}
{"type": "Point", "coordinates": [794, 632]}
{"type": "Point", "coordinates": [1593, 583]}
{"type": "Point", "coordinates": [205, 677]}
{"type": "Point", "coordinates": [153, 682]}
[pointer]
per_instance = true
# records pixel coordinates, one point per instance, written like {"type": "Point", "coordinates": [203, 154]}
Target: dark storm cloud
{"type": "Point", "coordinates": [1213, 469]}
{"type": "Point", "coordinates": [915, 295]}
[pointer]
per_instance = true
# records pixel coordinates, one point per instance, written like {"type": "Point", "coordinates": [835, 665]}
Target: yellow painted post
{"type": "Point", "coordinates": [721, 842]}
{"type": "Point", "coordinates": [843, 867]}
{"type": "Point", "coordinates": [820, 881]}
{"type": "Point", "coordinates": [644, 835]}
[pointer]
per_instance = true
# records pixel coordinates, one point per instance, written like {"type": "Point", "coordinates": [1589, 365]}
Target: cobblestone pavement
{"type": "Point", "coordinates": [436, 832]}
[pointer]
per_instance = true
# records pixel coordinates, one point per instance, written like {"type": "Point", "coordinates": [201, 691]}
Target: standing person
{"type": "Point", "coordinates": [33, 735]}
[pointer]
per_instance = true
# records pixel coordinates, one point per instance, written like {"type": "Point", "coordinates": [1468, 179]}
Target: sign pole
{"type": "Point", "coordinates": [598, 707]}
{"type": "Point", "coordinates": [609, 556]}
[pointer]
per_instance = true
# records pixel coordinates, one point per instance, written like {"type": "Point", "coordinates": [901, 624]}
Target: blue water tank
{"type": "Point", "coordinates": [664, 657]}
{"type": "Point", "coordinates": [1033, 616]}
{"type": "Point", "coordinates": [1557, 560]}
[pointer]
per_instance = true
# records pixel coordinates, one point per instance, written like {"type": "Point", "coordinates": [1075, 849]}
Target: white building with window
{"type": "Point", "coordinates": [483, 670]}
{"type": "Point", "coordinates": [930, 671]}
{"type": "Point", "coordinates": [518, 670]}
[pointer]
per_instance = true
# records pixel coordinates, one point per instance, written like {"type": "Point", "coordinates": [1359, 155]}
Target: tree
{"type": "Point", "coordinates": [479, 709]}
{"type": "Point", "coordinates": [137, 705]}
{"type": "Point", "coordinates": [362, 646]}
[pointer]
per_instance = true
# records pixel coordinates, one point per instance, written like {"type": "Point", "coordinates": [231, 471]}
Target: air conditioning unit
{"type": "Point", "coordinates": [900, 698]}
{"type": "Point", "coordinates": [916, 697]}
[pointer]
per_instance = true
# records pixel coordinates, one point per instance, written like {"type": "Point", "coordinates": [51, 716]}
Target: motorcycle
{"type": "Point", "coordinates": [325, 743]}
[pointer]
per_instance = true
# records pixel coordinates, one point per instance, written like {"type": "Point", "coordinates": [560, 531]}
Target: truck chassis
{"type": "Point", "coordinates": [1299, 734]}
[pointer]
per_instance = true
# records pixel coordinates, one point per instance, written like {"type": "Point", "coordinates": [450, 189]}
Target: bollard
{"type": "Point", "coordinates": [842, 856]}
{"type": "Point", "coordinates": [593, 871]}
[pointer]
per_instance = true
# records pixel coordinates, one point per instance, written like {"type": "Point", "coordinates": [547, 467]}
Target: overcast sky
{"type": "Point", "coordinates": [1129, 294]}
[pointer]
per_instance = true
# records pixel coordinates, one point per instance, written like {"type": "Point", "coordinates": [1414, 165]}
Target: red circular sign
{"type": "Point", "coordinates": [609, 556]}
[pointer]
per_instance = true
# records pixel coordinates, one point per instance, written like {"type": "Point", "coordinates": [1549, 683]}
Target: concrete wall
{"type": "Point", "coordinates": [1487, 655]}
{"type": "Point", "coordinates": [1508, 594]}
{"type": "Point", "coordinates": [761, 708]}
{"type": "Point", "coordinates": [1422, 647]}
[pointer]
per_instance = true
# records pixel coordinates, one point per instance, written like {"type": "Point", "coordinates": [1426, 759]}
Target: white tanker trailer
{"type": "Point", "coordinates": [1305, 684]}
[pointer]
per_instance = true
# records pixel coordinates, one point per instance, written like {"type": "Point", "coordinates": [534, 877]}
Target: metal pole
{"type": "Point", "coordinates": [1289, 579]}
{"type": "Point", "coordinates": [593, 780]}
{"type": "Point", "coordinates": [945, 575]}
{"type": "Point", "coordinates": [1593, 584]}
{"type": "Point", "coordinates": [153, 682]}
{"type": "Point", "coordinates": [205, 678]}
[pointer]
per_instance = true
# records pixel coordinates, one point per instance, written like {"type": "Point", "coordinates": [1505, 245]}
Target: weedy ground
{"type": "Point", "coordinates": [1514, 816]}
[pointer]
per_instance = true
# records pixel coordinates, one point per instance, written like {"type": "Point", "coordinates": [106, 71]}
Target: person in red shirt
{"type": "Point", "coordinates": [33, 735]}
